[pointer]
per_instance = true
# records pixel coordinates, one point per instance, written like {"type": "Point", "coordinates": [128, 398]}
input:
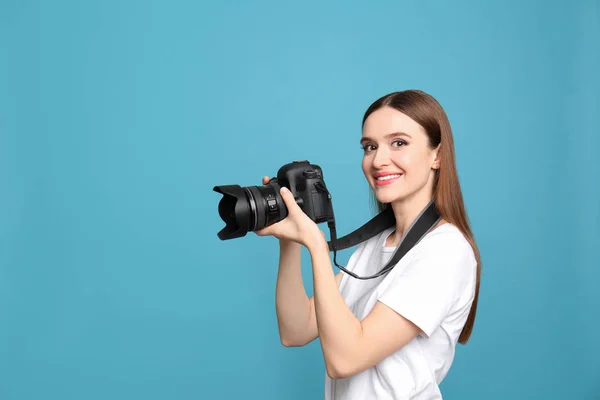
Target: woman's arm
{"type": "Point", "coordinates": [295, 311]}
{"type": "Point", "coordinates": [349, 345]}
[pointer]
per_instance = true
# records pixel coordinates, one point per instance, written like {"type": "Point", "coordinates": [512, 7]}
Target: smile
{"type": "Point", "coordinates": [386, 180]}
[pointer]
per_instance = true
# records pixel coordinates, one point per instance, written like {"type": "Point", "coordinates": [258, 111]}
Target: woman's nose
{"type": "Point", "coordinates": [381, 159]}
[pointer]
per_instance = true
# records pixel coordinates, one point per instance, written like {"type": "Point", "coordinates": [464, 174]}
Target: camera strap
{"type": "Point", "coordinates": [422, 225]}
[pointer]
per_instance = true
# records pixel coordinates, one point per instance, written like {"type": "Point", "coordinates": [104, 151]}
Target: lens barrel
{"type": "Point", "coordinates": [248, 209]}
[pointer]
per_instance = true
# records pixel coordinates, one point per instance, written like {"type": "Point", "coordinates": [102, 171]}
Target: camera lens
{"type": "Point", "coordinates": [249, 208]}
{"type": "Point", "coordinates": [251, 192]}
{"type": "Point", "coordinates": [266, 205]}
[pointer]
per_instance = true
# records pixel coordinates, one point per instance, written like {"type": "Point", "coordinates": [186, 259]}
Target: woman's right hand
{"type": "Point", "coordinates": [265, 181]}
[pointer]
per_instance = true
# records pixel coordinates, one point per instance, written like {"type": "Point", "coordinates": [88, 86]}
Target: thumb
{"type": "Point", "coordinates": [289, 200]}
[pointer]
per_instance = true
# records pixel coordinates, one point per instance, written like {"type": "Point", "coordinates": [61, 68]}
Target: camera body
{"type": "Point", "coordinates": [305, 181]}
{"type": "Point", "coordinates": [252, 208]}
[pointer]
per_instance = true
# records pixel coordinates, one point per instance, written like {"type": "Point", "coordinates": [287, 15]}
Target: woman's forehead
{"type": "Point", "coordinates": [387, 120]}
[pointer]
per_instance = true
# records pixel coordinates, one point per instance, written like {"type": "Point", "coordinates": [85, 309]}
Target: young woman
{"type": "Point", "coordinates": [392, 337]}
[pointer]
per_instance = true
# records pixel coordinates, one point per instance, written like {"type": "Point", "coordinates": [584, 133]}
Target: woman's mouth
{"type": "Point", "coordinates": [386, 179]}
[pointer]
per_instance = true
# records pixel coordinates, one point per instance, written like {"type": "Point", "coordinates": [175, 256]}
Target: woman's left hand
{"type": "Point", "coordinates": [297, 226]}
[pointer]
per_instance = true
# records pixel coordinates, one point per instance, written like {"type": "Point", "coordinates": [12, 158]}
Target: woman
{"type": "Point", "coordinates": [392, 337]}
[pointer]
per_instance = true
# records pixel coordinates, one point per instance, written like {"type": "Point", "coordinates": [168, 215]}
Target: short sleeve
{"type": "Point", "coordinates": [425, 290]}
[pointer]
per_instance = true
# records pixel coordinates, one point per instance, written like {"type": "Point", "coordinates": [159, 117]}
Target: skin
{"type": "Point", "coordinates": [350, 345]}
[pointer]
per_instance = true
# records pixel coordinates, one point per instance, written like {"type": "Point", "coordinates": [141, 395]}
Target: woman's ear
{"type": "Point", "coordinates": [436, 162]}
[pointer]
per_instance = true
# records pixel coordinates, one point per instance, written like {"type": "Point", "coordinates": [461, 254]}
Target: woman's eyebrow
{"type": "Point", "coordinates": [388, 136]}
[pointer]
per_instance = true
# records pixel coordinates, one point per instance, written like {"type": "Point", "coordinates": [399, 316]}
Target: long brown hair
{"type": "Point", "coordinates": [428, 113]}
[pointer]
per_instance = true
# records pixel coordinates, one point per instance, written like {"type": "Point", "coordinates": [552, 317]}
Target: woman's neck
{"type": "Point", "coordinates": [406, 211]}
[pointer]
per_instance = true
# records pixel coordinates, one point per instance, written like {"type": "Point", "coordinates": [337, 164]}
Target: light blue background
{"type": "Point", "coordinates": [118, 117]}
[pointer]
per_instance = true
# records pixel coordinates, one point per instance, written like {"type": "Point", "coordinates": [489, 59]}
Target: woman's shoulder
{"type": "Point", "coordinates": [447, 238]}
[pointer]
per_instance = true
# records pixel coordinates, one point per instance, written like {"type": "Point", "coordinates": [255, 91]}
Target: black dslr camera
{"type": "Point", "coordinates": [251, 208]}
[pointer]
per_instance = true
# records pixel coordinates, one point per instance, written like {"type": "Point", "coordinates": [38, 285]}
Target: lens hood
{"type": "Point", "coordinates": [235, 211]}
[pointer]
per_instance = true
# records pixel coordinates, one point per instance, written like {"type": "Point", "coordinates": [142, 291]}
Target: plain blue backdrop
{"type": "Point", "coordinates": [117, 118]}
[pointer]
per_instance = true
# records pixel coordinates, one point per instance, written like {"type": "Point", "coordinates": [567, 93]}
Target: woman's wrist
{"type": "Point", "coordinates": [287, 243]}
{"type": "Point", "coordinates": [317, 243]}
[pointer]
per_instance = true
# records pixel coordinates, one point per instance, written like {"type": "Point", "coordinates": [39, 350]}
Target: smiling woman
{"type": "Point", "coordinates": [393, 336]}
{"type": "Point", "coordinates": [424, 166]}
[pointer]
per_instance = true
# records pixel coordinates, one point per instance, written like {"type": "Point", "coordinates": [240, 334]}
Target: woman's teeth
{"type": "Point", "coordinates": [387, 177]}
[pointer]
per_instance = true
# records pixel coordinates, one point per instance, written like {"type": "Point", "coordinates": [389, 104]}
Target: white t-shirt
{"type": "Point", "coordinates": [433, 286]}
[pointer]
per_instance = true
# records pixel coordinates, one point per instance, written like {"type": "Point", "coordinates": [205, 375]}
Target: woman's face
{"type": "Point", "coordinates": [398, 161]}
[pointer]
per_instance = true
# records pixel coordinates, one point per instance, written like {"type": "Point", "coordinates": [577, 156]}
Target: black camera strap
{"type": "Point", "coordinates": [424, 222]}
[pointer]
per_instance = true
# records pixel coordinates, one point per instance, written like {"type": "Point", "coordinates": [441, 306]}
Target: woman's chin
{"type": "Point", "coordinates": [386, 194]}
{"type": "Point", "coordinates": [387, 197]}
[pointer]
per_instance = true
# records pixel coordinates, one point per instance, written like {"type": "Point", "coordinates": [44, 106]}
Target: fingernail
{"type": "Point", "coordinates": [284, 190]}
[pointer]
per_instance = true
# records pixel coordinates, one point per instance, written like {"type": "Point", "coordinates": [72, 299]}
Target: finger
{"type": "Point", "coordinates": [263, 232]}
{"type": "Point", "coordinates": [289, 200]}
{"type": "Point", "coordinates": [272, 229]}
{"type": "Point", "coordinates": [265, 180]}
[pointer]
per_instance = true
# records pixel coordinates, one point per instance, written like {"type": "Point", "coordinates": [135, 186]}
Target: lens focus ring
{"type": "Point", "coordinates": [253, 208]}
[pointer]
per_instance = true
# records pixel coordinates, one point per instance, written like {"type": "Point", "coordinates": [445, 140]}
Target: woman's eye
{"type": "Point", "coordinates": [395, 143]}
{"type": "Point", "coordinates": [367, 147]}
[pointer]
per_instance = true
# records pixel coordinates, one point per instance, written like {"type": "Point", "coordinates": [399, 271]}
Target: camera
{"type": "Point", "coordinates": [252, 208]}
